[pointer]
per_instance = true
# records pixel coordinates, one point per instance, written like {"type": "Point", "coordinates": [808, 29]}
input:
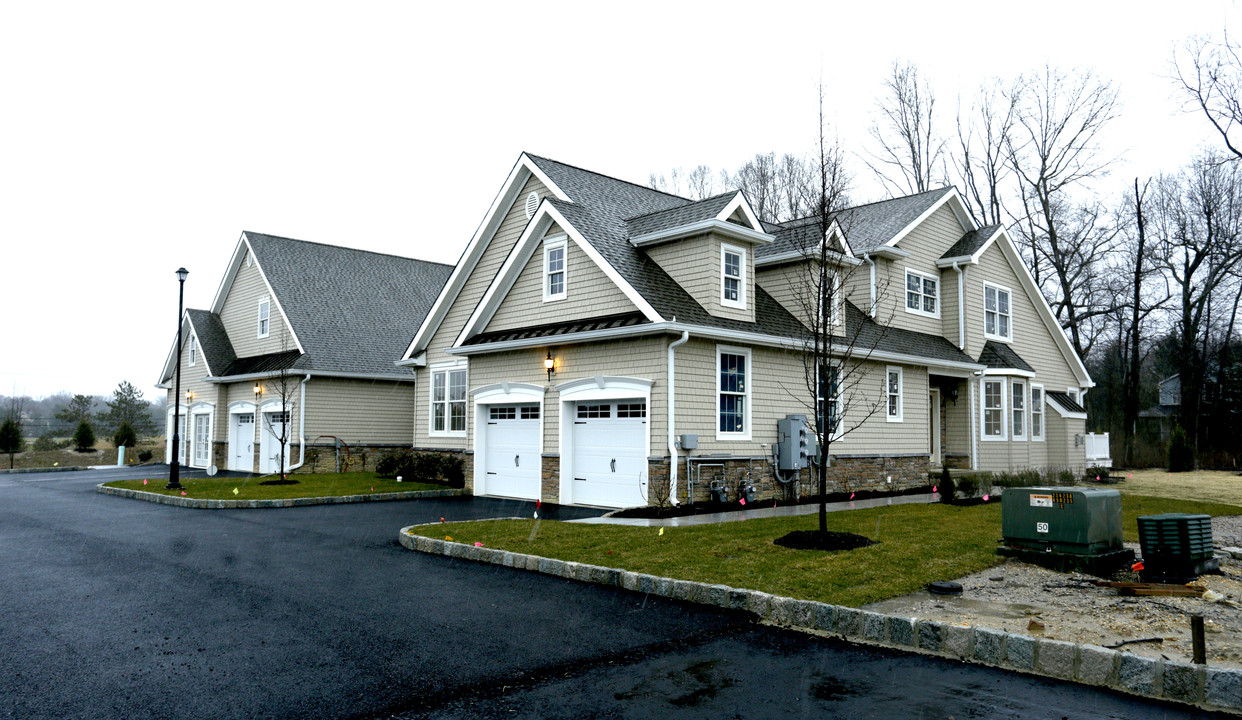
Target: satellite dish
{"type": "Point", "coordinates": [212, 470]}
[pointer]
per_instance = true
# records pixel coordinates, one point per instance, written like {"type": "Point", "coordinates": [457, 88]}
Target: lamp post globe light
{"type": "Point", "coordinates": [174, 470]}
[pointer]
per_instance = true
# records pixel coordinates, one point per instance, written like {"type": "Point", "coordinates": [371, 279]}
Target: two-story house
{"type": "Point", "coordinates": [298, 345]}
{"type": "Point", "coordinates": [592, 323]}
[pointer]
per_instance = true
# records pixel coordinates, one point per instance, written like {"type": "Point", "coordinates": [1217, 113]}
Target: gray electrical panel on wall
{"type": "Point", "coordinates": [793, 443]}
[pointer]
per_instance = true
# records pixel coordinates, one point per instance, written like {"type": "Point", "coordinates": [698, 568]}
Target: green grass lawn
{"type": "Point", "coordinates": [917, 544]}
{"type": "Point", "coordinates": [309, 485]}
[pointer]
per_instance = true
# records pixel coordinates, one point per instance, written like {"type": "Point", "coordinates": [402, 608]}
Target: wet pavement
{"type": "Point", "coordinates": [116, 608]}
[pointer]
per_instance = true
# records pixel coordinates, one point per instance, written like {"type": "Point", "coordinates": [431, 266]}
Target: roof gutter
{"type": "Point", "coordinates": [307, 373]}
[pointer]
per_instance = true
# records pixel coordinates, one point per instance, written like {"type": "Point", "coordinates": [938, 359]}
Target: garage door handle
{"type": "Point", "coordinates": [517, 461]}
{"type": "Point", "coordinates": [614, 464]}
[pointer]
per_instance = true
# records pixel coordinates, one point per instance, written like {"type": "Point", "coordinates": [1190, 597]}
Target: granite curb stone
{"type": "Point", "coordinates": [204, 504]}
{"type": "Point", "coordinates": [1217, 688]}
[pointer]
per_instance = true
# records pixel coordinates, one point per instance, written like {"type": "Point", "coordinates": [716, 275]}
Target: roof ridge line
{"type": "Point", "coordinates": [344, 247]}
{"type": "Point", "coordinates": [682, 207]}
{"type": "Point", "coordinates": [610, 177]}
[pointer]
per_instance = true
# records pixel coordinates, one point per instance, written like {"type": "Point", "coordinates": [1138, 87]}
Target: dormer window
{"type": "Point", "coordinates": [732, 276]}
{"type": "Point", "coordinates": [265, 316]}
{"type": "Point", "coordinates": [554, 280]}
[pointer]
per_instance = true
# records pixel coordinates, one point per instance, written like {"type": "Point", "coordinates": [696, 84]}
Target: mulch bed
{"type": "Point", "coordinates": [286, 481]}
{"type": "Point", "coordinates": [829, 540]}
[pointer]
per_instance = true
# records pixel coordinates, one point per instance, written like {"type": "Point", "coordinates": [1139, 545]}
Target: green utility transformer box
{"type": "Point", "coordinates": [1064, 527]}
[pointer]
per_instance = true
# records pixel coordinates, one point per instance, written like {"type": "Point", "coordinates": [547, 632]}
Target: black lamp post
{"type": "Point", "coordinates": [174, 472]}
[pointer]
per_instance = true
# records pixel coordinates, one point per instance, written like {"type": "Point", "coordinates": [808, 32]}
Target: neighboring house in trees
{"type": "Point", "coordinates": [324, 322]}
{"type": "Point", "coordinates": [662, 317]}
{"type": "Point", "coordinates": [1158, 420]}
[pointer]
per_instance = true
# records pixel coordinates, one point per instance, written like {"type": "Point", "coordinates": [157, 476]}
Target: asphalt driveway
{"type": "Point", "coordinates": [118, 608]}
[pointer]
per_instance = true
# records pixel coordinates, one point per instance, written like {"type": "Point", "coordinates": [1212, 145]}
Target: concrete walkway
{"type": "Point", "coordinates": [758, 511]}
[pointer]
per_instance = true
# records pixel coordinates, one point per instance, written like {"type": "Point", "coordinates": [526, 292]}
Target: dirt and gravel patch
{"type": "Point", "coordinates": [1017, 597]}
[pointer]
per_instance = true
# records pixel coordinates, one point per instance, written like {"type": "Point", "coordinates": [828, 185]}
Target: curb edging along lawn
{"type": "Point", "coordinates": [1204, 686]}
{"type": "Point", "coordinates": [203, 504]}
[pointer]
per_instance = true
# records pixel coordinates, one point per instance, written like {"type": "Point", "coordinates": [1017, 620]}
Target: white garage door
{"type": "Point", "coordinates": [512, 459]}
{"type": "Point", "coordinates": [610, 453]}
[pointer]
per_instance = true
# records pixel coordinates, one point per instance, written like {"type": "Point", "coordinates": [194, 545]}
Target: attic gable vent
{"type": "Point", "coordinates": [532, 204]}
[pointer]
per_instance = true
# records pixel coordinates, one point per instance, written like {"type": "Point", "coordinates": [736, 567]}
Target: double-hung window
{"type": "Point", "coordinates": [828, 400]}
{"type": "Point", "coordinates": [265, 316]}
{"type": "Point", "coordinates": [1017, 406]}
{"type": "Point", "coordinates": [448, 401]}
{"type": "Point", "coordinates": [732, 276]}
{"type": "Point", "coordinates": [193, 351]}
{"type": "Point", "coordinates": [993, 409]}
{"type": "Point", "coordinates": [892, 391]}
{"type": "Point", "coordinates": [733, 392]}
{"type": "Point", "coordinates": [997, 313]}
{"type": "Point", "coordinates": [922, 293]}
{"type": "Point", "coordinates": [554, 276]}
{"type": "Point", "coordinates": [1037, 412]}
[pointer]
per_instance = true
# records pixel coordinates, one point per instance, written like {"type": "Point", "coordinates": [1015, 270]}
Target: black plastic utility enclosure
{"type": "Point", "coordinates": [1177, 547]}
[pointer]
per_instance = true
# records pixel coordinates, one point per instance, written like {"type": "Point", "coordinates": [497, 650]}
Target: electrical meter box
{"type": "Point", "coordinates": [791, 436]}
{"type": "Point", "coordinates": [1063, 520]}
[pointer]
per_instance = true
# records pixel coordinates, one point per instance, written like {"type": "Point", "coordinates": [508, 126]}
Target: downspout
{"type": "Point", "coordinates": [961, 306]}
{"type": "Point", "coordinates": [672, 441]}
{"type": "Point", "coordinates": [974, 435]}
{"type": "Point", "coordinates": [301, 425]}
{"type": "Point", "coordinates": [871, 261]}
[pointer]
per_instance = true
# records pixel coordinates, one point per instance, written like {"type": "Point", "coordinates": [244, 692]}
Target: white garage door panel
{"type": "Point", "coordinates": [610, 453]}
{"type": "Point", "coordinates": [512, 459]}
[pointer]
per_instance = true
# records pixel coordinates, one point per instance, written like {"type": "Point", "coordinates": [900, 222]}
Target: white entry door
{"type": "Point", "coordinates": [269, 441]}
{"type": "Point", "coordinates": [512, 464]}
{"type": "Point", "coordinates": [241, 442]}
{"type": "Point", "coordinates": [202, 440]}
{"type": "Point", "coordinates": [610, 453]}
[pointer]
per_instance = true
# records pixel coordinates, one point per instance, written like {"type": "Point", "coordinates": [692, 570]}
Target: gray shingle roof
{"type": "Point", "coordinates": [1065, 401]}
{"type": "Point", "coordinates": [679, 216]}
{"type": "Point", "coordinates": [255, 364]}
{"type": "Point", "coordinates": [896, 340]}
{"type": "Point", "coordinates": [970, 243]}
{"type": "Point", "coordinates": [353, 311]}
{"type": "Point", "coordinates": [213, 341]}
{"type": "Point", "coordinates": [606, 322]}
{"type": "Point", "coordinates": [1002, 357]}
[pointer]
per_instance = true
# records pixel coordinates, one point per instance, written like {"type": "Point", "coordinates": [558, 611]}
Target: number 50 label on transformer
{"type": "Point", "coordinates": [1041, 527]}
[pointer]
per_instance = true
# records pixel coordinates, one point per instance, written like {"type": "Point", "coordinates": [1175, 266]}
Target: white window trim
{"type": "Point", "coordinates": [901, 392]}
{"type": "Point", "coordinates": [193, 351]}
{"type": "Point", "coordinates": [1073, 393]}
{"type": "Point", "coordinates": [431, 402]}
{"type": "Point", "coordinates": [983, 409]}
{"type": "Point", "coordinates": [750, 373]}
{"type": "Point", "coordinates": [838, 432]}
{"type": "Point", "coordinates": [550, 244]}
{"type": "Point", "coordinates": [1026, 409]}
{"type": "Point", "coordinates": [1043, 416]}
{"type": "Point", "coordinates": [905, 298]}
{"type": "Point", "coordinates": [740, 303]}
{"type": "Point", "coordinates": [834, 300]}
{"type": "Point", "coordinates": [262, 332]}
{"type": "Point", "coordinates": [994, 336]}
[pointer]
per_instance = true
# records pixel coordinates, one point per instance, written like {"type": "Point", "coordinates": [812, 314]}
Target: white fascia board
{"type": "Point", "coordinates": [419, 360]}
{"type": "Point", "coordinates": [1042, 308]}
{"type": "Point", "coordinates": [955, 204]}
{"type": "Point", "coordinates": [194, 335]}
{"type": "Point", "coordinates": [835, 229]}
{"type": "Point", "coordinates": [230, 274]}
{"type": "Point", "coordinates": [795, 256]}
{"type": "Point", "coordinates": [739, 202]}
{"type": "Point", "coordinates": [271, 293]}
{"type": "Point", "coordinates": [522, 170]}
{"type": "Point", "coordinates": [170, 361]}
{"type": "Point", "coordinates": [523, 250]}
{"type": "Point", "coordinates": [309, 373]}
{"type": "Point", "coordinates": [888, 252]}
{"type": "Point", "coordinates": [728, 229]}
{"type": "Point", "coordinates": [972, 259]}
{"type": "Point", "coordinates": [1008, 372]}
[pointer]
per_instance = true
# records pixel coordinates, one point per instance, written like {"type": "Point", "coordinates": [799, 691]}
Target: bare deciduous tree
{"type": "Point", "coordinates": [981, 164]}
{"type": "Point", "coordinates": [1210, 75]}
{"type": "Point", "coordinates": [910, 154]}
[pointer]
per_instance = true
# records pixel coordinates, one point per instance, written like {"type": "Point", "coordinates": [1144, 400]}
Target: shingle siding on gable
{"type": "Point", "coordinates": [489, 264]}
{"type": "Point", "coordinates": [694, 263]}
{"type": "Point", "coordinates": [359, 411]}
{"type": "Point", "coordinates": [240, 315]}
{"type": "Point", "coordinates": [590, 293]}
{"type": "Point", "coordinates": [787, 284]}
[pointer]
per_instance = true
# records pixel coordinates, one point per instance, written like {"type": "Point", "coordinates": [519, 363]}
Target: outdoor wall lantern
{"type": "Point", "coordinates": [258, 390]}
{"type": "Point", "coordinates": [189, 395]}
{"type": "Point", "coordinates": [549, 364]}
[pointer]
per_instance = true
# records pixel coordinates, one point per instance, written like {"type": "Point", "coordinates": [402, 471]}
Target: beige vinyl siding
{"type": "Point", "coordinates": [589, 293]}
{"type": "Point", "coordinates": [240, 315]}
{"type": "Point", "coordinates": [788, 284]}
{"type": "Point", "coordinates": [856, 285]}
{"type": "Point", "coordinates": [1031, 338]}
{"type": "Point", "coordinates": [507, 234]}
{"type": "Point", "coordinates": [644, 358]}
{"type": "Point", "coordinates": [949, 305]}
{"type": "Point", "coordinates": [957, 421]}
{"type": "Point", "coordinates": [925, 243]}
{"type": "Point", "coordinates": [695, 264]}
{"type": "Point", "coordinates": [779, 388]}
{"type": "Point", "coordinates": [359, 411]}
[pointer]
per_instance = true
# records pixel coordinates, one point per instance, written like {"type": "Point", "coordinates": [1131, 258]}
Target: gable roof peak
{"type": "Point", "coordinates": [539, 159]}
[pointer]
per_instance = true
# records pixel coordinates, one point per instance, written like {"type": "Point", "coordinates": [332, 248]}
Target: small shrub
{"type": "Point", "coordinates": [46, 443]}
{"type": "Point", "coordinates": [947, 489]}
{"type": "Point", "coordinates": [125, 435]}
{"type": "Point", "coordinates": [389, 464]}
{"type": "Point", "coordinates": [453, 470]}
{"type": "Point", "coordinates": [968, 485]}
{"type": "Point", "coordinates": [1097, 474]}
{"type": "Point", "coordinates": [1065, 477]}
{"type": "Point", "coordinates": [422, 467]}
{"type": "Point", "coordinates": [84, 437]}
{"type": "Point", "coordinates": [1181, 452]}
{"type": "Point", "coordinates": [145, 455]}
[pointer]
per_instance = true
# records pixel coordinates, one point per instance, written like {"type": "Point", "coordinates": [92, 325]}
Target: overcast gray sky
{"type": "Point", "coordinates": [139, 137]}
